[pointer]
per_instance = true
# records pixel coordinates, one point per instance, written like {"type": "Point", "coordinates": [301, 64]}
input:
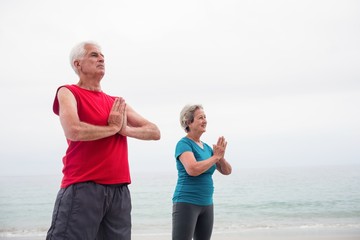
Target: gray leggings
{"type": "Point", "coordinates": [192, 221]}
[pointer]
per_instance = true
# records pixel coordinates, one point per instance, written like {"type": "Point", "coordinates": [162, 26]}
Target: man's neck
{"type": "Point", "coordinates": [91, 85]}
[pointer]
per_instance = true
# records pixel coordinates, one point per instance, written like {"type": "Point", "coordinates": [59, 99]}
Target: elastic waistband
{"type": "Point", "coordinates": [115, 185]}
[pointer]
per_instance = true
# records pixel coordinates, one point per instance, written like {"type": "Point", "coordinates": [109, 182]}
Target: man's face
{"type": "Point", "coordinates": [93, 63]}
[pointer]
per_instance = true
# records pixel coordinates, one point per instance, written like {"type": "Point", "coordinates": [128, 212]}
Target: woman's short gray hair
{"type": "Point", "coordinates": [187, 115]}
{"type": "Point", "coordinates": [79, 52]}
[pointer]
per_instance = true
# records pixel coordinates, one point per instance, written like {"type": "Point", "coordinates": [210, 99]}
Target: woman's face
{"type": "Point", "coordinates": [199, 123]}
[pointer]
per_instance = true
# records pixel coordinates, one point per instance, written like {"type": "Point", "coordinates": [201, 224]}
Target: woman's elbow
{"type": "Point", "coordinates": [192, 172]}
{"type": "Point", "coordinates": [224, 171]}
{"type": "Point", "coordinates": [227, 171]}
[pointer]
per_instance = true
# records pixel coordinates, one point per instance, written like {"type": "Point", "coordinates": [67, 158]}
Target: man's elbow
{"type": "Point", "coordinates": [73, 134]}
{"type": "Point", "coordinates": [157, 135]}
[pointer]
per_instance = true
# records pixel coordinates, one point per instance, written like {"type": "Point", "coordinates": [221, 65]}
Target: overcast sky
{"type": "Point", "coordinates": [279, 79]}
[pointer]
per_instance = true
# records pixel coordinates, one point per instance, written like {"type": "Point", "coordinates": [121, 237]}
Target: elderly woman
{"type": "Point", "coordinates": [196, 162]}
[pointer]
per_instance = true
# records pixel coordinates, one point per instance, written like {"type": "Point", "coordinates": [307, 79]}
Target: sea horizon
{"type": "Point", "coordinates": [251, 200]}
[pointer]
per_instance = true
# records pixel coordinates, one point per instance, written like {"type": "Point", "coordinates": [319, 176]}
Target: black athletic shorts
{"type": "Point", "coordinates": [92, 211]}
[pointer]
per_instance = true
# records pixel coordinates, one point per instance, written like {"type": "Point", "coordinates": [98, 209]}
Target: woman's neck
{"type": "Point", "coordinates": [194, 138]}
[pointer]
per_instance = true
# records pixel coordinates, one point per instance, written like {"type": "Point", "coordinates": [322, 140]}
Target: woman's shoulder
{"type": "Point", "coordinates": [183, 140]}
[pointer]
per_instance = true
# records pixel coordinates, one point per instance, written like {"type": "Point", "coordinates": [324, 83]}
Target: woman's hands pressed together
{"type": "Point", "coordinates": [219, 151]}
{"type": "Point", "coordinates": [219, 148]}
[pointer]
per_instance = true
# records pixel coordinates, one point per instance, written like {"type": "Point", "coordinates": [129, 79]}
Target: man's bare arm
{"type": "Point", "coordinates": [138, 127]}
{"type": "Point", "coordinates": [77, 130]}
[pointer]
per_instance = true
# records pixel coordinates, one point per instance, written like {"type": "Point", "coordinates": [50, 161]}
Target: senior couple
{"type": "Point", "coordinates": [94, 200]}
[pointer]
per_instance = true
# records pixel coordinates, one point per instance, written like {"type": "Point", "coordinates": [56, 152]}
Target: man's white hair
{"type": "Point", "coordinates": [79, 52]}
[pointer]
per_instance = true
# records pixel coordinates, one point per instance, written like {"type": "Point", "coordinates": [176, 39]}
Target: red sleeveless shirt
{"type": "Point", "coordinates": [104, 161]}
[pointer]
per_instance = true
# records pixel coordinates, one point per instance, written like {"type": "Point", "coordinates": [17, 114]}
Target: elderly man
{"type": "Point", "coordinates": [94, 200]}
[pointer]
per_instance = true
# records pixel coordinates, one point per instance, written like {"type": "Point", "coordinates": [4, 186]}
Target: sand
{"type": "Point", "coordinates": [269, 234]}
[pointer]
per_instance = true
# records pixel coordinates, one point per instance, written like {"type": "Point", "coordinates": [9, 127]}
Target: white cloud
{"type": "Point", "coordinates": [279, 79]}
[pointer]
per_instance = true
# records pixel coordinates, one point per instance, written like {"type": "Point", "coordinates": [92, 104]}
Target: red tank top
{"type": "Point", "coordinates": [104, 161]}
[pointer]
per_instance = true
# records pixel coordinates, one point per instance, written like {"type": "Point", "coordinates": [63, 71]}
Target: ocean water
{"type": "Point", "coordinates": [317, 198]}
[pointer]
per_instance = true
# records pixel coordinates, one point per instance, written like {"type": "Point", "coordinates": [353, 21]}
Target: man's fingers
{"type": "Point", "coordinates": [116, 104]}
{"type": "Point", "coordinates": [119, 105]}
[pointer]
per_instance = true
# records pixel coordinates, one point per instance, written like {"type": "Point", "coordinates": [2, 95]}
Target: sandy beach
{"type": "Point", "coordinates": [230, 237]}
{"type": "Point", "coordinates": [268, 234]}
{"type": "Point", "coordinates": [274, 235]}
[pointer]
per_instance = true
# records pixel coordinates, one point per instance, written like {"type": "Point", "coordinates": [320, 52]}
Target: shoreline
{"type": "Point", "coordinates": [253, 234]}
